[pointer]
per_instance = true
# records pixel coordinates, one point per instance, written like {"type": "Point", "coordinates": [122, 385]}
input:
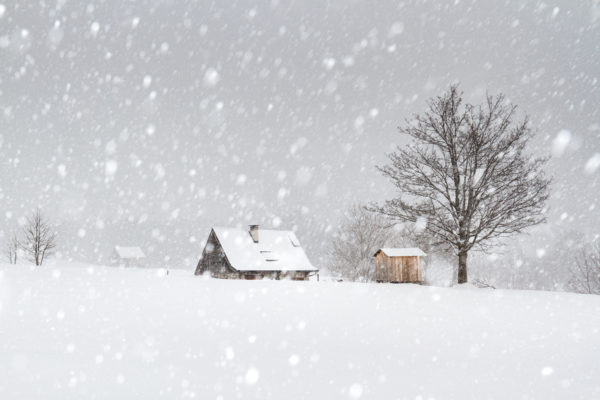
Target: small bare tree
{"type": "Point", "coordinates": [357, 239]}
{"type": "Point", "coordinates": [355, 242]}
{"type": "Point", "coordinates": [466, 175]}
{"type": "Point", "coordinates": [585, 273]}
{"type": "Point", "coordinates": [39, 239]}
{"type": "Point", "coordinates": [12, 248]}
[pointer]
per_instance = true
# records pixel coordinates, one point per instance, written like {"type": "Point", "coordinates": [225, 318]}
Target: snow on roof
{"type": "Point", "coordinates": [275, 250]}
{"type": "Point", "coordinates": [129, 252]}
{"type": "Point", "coordinates": [401, 252]}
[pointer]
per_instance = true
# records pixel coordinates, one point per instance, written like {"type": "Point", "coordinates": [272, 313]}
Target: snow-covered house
{"type": "Point", "coordinates": [124, 256]}
{"type": "Point", "coordinates": [232, 253]}
{"type": "Point", "coordinates": [399, 265]}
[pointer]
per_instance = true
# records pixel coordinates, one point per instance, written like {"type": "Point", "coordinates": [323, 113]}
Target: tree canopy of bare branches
{"type": "Point", "coordinates": [466, 174]}
{"type": "Point", "coordinates": [39, 238]}
{"type": "Point", "coordinates": [585, 273]}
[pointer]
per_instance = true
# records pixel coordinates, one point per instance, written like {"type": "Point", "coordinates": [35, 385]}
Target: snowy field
{"type": "Point", "coordinates": [97, 332]}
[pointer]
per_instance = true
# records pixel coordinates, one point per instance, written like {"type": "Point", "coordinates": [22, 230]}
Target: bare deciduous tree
{"type": "Point", "coordinates": [39, 239]}
{"type": "Point", "coordinates": [12, 248]}
{"type": "Point", "coordinates": [585, 273]}
{"type": "Point", "coordinates": [466, 174]}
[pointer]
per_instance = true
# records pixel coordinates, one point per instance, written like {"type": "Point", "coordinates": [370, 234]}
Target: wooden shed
{"type": "Point", "coordinates": [399, 265]}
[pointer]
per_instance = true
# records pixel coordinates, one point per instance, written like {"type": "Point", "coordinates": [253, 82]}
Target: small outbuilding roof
{"type": "Point", "coordinates": [129, 252]}
{"type": "Point", "coordinates": [274, 251]}
{"type": "Point", "coordinates": [401, 252]}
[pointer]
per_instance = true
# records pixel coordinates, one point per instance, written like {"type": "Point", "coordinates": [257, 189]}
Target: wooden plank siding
{"type": "Point", "coordinates": [398, 269]}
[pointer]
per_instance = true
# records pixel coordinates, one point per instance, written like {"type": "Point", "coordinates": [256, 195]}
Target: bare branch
{"type": "Point", "coordinates": [585, 273]}
{"type": "Point", "coordinates": [12, 248]}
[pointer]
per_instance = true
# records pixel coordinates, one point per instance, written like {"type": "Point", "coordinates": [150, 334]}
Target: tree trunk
{"type": "Point", "coordinates": [462, 267]}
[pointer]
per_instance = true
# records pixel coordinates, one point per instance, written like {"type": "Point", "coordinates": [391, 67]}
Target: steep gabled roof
{"type": "Point", "coordinates": [275, 250]}
{"type": "Point", "coordinates": [129, 252]}
{"type": "Point", "coordinates": [401, 252]}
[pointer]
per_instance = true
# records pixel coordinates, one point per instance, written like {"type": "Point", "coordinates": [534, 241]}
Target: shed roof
{"type": "Point", "coordinates": [129, 252]}
{"type": "Point", "coordinates": [275, 250]}
{"type": "Point", "coordinates": [401, 252]}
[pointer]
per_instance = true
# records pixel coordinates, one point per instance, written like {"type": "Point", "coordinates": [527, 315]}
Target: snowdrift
{"type": "Point", "coordinates": [100, 332]}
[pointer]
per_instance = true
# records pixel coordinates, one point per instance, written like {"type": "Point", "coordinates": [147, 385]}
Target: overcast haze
{"type": "Point", "coordinates": [147, 122]}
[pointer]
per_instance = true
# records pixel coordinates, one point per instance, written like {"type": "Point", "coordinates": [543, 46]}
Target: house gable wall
{"type": "Point", "coordinates": [214, 260]}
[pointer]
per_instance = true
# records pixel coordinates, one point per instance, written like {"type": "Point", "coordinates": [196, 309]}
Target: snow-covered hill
{"type": "Point", "coordinates": [98, 332]}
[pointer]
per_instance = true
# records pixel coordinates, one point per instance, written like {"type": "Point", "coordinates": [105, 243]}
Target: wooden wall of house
{"type": "Point", "coordinates": [294, 275]}
{"type": "Point", "coordinates": [257, 275]}
{"type": "Point", "coordinates": [214, 260]}
{"type": "Point", "coordinates": [398, 269]}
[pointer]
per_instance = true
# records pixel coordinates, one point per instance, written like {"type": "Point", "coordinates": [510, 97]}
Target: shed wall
{"type": "Point", "coordinates": [398, 269]}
